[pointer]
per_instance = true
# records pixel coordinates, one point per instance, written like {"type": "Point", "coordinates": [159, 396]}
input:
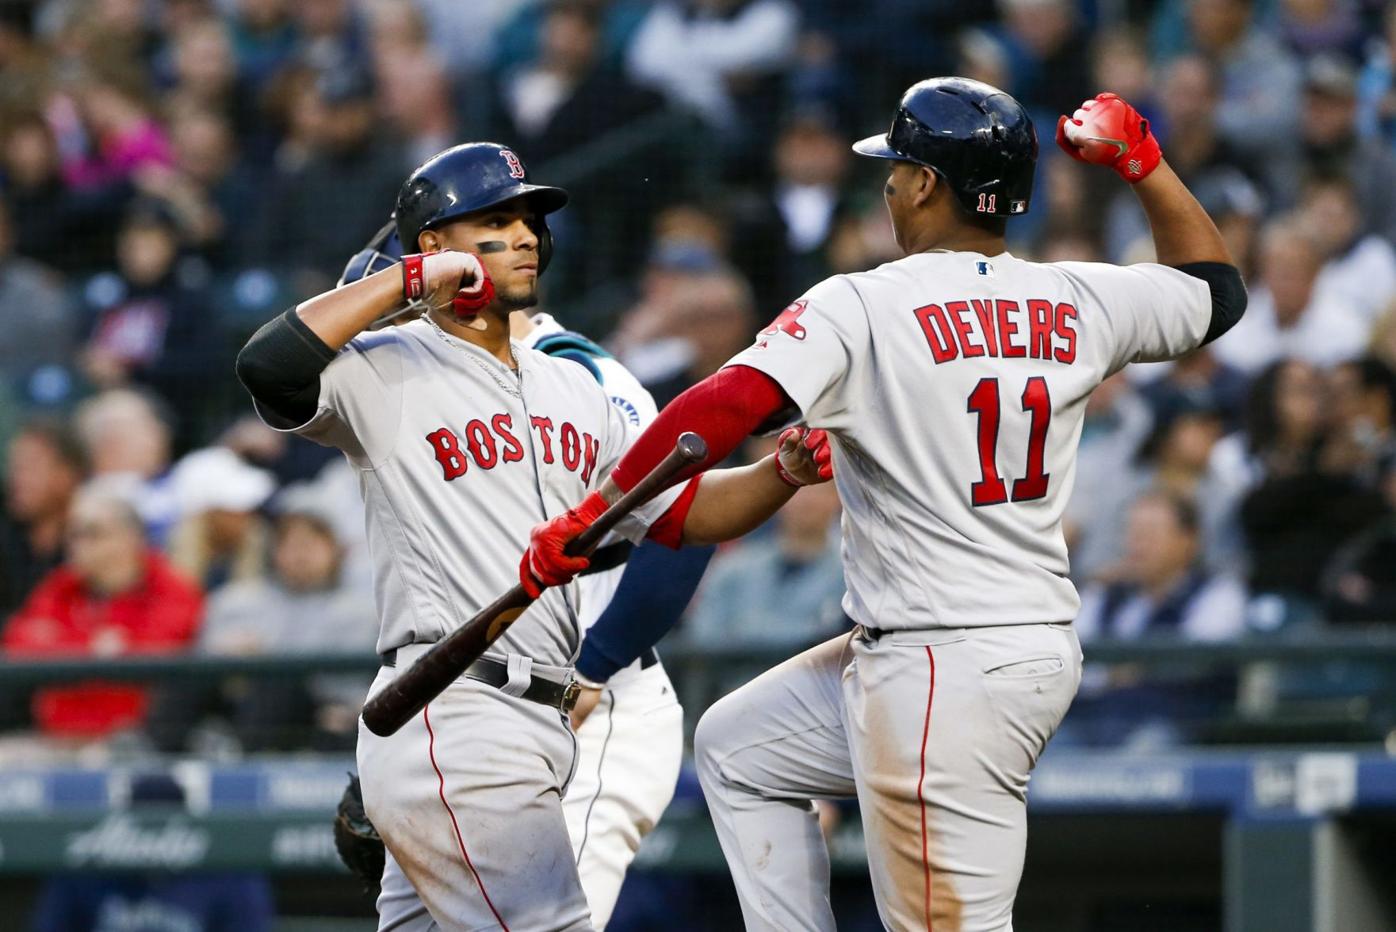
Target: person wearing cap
{"type": "Point", "coordinates": [461, 436]}
{"type": "Point", "coordinates": [687, 240]}
{"type": "Point", "coordinates": [220, 538]}
{"type": "Point", "coordinates": [953, 483]}
{"type": "Point", "coordinates": [305, 605]}
{"type": "Point", "coordinates": [710, 316]}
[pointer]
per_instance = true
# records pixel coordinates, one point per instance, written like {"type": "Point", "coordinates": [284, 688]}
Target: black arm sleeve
{"type": "Point", "coordinates": [1228, 294]}
{"type": "Point", "coordinates": [280, 368]}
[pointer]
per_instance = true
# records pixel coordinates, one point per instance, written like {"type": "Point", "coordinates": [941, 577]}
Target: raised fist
{"type": "Point", "coordinates": [448, 279]}
{"type": "Point", "coordinates": [1107, 131]}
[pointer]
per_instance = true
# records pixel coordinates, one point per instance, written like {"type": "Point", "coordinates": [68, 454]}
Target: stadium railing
{"type": "Point", "coordinates": [1287, 831]}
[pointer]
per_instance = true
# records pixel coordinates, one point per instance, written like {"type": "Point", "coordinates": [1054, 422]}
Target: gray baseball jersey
{"type": "Point", "coordinates": [637, 408]}
{"type": "Point", "coordinates": [627, 760]}
{"type": "Point", "coordinates": [953, 385]}
{"type": "Point", "coordinates": [458, 458]}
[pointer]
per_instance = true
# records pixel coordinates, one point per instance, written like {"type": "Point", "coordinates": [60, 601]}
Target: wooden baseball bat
{"type": "Point", "coordinates": [412, 689]}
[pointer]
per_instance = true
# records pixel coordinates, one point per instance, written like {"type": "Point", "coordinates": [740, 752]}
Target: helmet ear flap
{"type": "Point", "coordinates": [539, 226]}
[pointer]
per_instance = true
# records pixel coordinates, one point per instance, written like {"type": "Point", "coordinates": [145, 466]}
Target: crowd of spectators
{"type": "Point", "coordinates": [174, 172]}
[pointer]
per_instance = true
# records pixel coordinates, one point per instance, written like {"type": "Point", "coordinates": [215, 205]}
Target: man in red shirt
{"type": "Point", "coordinates": [113, 596]}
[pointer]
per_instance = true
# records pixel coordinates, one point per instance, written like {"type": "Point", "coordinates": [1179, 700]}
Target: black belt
{"type": "Point", "coordinates": [546, 692]}
{"type": "Point", "coordinates": [649, 658]}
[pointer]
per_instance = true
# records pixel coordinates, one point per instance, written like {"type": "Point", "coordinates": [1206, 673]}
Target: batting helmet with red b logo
{"type": "Point", "coordinates": [467, 178]}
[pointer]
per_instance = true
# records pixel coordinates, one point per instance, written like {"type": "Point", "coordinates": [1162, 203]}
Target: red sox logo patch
{"type": "Point", "coordinates": [516, 169]}
{"type": "Point", "coordinates": [787, 321]}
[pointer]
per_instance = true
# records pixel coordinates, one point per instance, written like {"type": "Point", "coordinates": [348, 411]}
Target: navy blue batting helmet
{"type": "Point", "coordinates": [467, 178]}
{"type": "Point", "coordinates": [978, 139]}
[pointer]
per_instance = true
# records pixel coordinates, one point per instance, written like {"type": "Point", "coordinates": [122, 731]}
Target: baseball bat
{"type": "Point", "coordinates": [422, 682]}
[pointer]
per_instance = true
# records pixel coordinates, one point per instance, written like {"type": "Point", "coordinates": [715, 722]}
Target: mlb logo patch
{"type": "Point", "coordinates": [983, 267]}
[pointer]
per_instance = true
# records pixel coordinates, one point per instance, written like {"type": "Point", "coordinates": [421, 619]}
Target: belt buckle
{"type": "Point", "coordinates": [570, 693]}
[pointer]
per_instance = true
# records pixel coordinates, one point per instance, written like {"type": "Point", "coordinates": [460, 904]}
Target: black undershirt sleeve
{"type": "Point", "coordinates": [1228, 294]}
{"type": "Point", "coordinates": [280, 367]}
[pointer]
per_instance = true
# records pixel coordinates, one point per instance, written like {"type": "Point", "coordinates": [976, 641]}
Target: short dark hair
{"type": "Point", "coordinates": [1321, 179]}
{"type": "Point", "coordinates": [1375, 375]}
{"type": "Point", "coordinates": [18, 17]}
{"type": "Point", "coordinates": [1169, 409]}
{"type": "Point", "coordinates": [585, 12]}
{"type": "Point", "coordinates": [60, 437]}
{"type": "Point", "coordinates": [1184, 509]}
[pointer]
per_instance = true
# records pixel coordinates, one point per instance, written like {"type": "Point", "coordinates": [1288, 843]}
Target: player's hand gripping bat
{"type": "Point", "coordinates": [422, 682]}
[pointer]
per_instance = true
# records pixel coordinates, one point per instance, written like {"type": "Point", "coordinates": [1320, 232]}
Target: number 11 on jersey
{"type": "Point", "coordinates": [984, 401]}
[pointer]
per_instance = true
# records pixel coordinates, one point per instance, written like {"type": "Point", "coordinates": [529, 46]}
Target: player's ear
{"type": "Point", "coordinates": [924, 186]}
{"type": "Point", "coordinates": [428, 241]}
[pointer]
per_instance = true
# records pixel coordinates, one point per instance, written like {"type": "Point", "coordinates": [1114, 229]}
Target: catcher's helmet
{"type": "Point", "coordinates": [382, 252]}
{"type": "Point", "coordinates": [979, 140]}
{"type": "Point", "coordinates": [468, 178]}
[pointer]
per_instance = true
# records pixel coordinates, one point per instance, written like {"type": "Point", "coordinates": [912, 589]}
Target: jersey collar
{"type": "Point", "coordinates": [427, 332]}
{"type": "Point", "coordinates": [544, 325]}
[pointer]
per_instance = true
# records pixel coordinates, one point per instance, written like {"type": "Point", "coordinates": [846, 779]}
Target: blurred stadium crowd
{"type": "Point", "coordinates": [174, 172]}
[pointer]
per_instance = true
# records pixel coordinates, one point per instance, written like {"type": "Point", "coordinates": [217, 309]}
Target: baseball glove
{"type": "Point", "coordinates": [357, 840]}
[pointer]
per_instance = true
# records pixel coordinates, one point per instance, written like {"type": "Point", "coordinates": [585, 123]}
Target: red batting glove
{"type": "Point", "coordinates": [1108, 131]}
{"type": "Point", "coordinates": [803, 457]}
{"type": "Point", "coordinates": [471, 300]}
{"type": "Point", "coordinates": [544, 564]}
{"type": "Point", "coordinates": [426, 275]}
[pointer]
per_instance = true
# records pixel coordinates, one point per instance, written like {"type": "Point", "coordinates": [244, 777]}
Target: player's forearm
{"type": "Point", "coordinates": [652, 596]}
{"type": "Point", "coordinates": [337, 316]}
{"type": "Point", "coordinates": [1183, 232]}
{"type": "Point", "coordinates": [733, 502]}
{"type": "Point", "coordinates": [724, 409]}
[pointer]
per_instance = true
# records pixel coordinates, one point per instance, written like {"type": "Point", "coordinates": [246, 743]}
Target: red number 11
{"type": "Point", "coordinates": [984, 401]}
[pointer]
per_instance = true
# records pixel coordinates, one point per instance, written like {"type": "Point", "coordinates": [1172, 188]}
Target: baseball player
{"type": "Point", "coordinates": [630, 740]}
{"type": "Point", "coordinates": [462, 437]}
{"type": "Point", "coordinates": [952, 384]}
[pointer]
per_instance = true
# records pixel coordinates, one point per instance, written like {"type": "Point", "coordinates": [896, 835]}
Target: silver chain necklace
{"type": "Point", "coordinates": [454, 343]}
